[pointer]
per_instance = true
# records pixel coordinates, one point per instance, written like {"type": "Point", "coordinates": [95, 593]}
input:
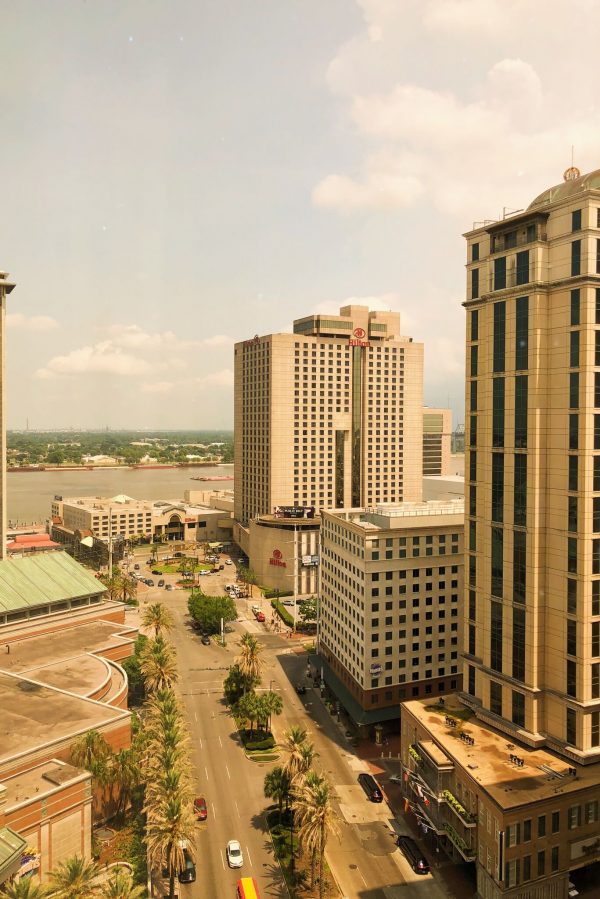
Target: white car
{"type": "Point", "coordinates": [396, 779]}
{"type": "Point", "coordinates": [235, 859]}
{"type": "Point", "coordinates": [228, 562]}
{"type": "Point", "coordinates": [288, 602]}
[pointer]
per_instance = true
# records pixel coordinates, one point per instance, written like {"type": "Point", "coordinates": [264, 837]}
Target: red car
{"type": "Point", "coordinates": [200, 809]}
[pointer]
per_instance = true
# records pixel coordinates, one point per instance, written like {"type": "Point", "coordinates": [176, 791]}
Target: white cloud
{"type": "Point", "coordinates": [103, 358]}
{"type": "Point", "coordinates": [222, 378]}
{"type": "Point", "coordinates": [483, 17]}
{"type": "Point", "coordinates": [134, 337]}
{"type": "Point", "coordinates": [157, 387]}
{"type": "Point", "coordinates": [383, 302]}
{"type": "Point", "coordinates": [18, 321]}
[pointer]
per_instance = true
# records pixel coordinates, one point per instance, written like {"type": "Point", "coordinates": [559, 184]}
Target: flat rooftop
{"type": "Point", "coordinates": [544, 775]}
{"type": "Point", "coordinates": [39, 781]}
{"type": "Point", "coordinates": [68, 643]}
{"type": "Point", "coordinates": [35, 715]}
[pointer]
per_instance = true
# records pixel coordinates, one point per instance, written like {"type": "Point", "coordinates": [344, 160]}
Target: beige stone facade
{"type": "Point", "coordinates": [329, 416]}
{"type": "Point", "coordinates": [437, 440]}
{"type": "Point", "coordinates": [391, 580]}
{"type": "Point", "coordinates": [516, 763]}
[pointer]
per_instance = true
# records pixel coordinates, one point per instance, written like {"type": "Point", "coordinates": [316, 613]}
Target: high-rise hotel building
{"type": "Point", "coordinates": [328, 416]}
{"type": "Point", "coordinates": [6, 287]}
{"type": "Point", "coordinates": [511, 773]}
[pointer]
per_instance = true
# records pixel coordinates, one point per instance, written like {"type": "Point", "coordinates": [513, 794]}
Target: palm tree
{"type": "Point", "coordinates": [74, 879]}
{"type": "Point", "coordinates": [277, 786]}
{"type": "Point", "coordinates": [125, 774]}
{"type": "Point", "coordinates": [25, 888]}
{"type": "Point", "coordinates": [249, 661]}
{"type": "Point", "coordinates": [170, 827]}
{"type": "Point", "coordinates": [158, 617]}
{"type": "Point", "coordinates": [121, 886]}
{"type": "Point", "coordinates": [271, 704]}
{"type": "Point", "coordinates": [127, 588]}
{"type": "Point", "coordinates": [158, 665]}
{"type": "Point", "coordinates": [293, 740]}
{"type": "Point", "coordinates": [307, 755]}
{"type": "Point", "coordinates": [247, 708]}
{"type": "Point", "coordinates": [89, 750]}
{"type": "Point", "coordinates": [317, 819]}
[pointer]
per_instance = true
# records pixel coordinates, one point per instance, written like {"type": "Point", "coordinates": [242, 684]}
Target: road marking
{"type": "Point", "coordinates": [222, 859]}
{"type": "Point", "coordinates": [212, 805]}
{"type": "Point", "coordinates": [361, 876]}
{"type": "Point", "coordinates": [237, 809]}
{"type": "Point", "coordinates": [196, 716]}
{"type": "Point", "coordinates": [228, 774]}
{"type": "Point", "coordinates": [220, 742]}
{"type": "Point", "coordinates": [200, 739]}
{"type": "Point", "coordinates": [250, 857]}
{"type": "Point", "coordinates": [206, 771]}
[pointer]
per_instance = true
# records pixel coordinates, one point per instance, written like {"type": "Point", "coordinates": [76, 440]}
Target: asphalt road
{"type": "Point", "coordinates": [365, 859]}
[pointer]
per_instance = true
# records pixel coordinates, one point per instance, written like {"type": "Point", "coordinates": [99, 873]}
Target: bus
{"type": "Point", "coordinates": [247, 889]}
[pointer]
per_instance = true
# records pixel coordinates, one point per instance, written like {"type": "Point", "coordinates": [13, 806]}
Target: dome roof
{"type": "Point", "coordinates": [569, 188]}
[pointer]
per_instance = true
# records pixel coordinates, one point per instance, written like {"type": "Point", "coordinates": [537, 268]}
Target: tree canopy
{"type": "Point", "coordinates": [207, 611]}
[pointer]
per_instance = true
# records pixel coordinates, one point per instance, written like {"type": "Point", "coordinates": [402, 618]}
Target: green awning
{"type": "Point", "coordinates": [42, 579]}
{"type": "Point", "coordinates": [354, 709]}
{"type": "Point", "coordinates": [12, 847]}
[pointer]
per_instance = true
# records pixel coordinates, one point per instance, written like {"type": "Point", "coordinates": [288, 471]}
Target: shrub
{"type": "Point", "coordinates": [283, 613]}
{"type": "Point", "coordinates": [268, 743]}
{"type": "Point", "coordinates": [271, 593]}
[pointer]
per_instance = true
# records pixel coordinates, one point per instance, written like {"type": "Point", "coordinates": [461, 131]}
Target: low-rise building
{"type": "Point", "coordinates": [437, 440]}
{"type": "Point", "coordinates": [391, 578]}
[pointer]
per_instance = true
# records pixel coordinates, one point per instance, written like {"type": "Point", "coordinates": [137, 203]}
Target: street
{"type": "Point", "coordinates": [365, 861]}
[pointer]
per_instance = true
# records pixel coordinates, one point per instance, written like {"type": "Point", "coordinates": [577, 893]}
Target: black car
{"type": "Point", "coordinates": [413, 855]}
{"type": "Point", "coordinates": [371, 787]}
{"type": "Point", "coordinates": [161, 583]}
{"type": "Point", "coordinates": [150, 582]}
{"type": "Point", "coordinates": [156, 571]}
{"type": "Point", "coordinates": [300, 689]}
{"type": "Point", "coordinates": [206, 641]}
{"type": "Point", "coordinates": [188, 873]}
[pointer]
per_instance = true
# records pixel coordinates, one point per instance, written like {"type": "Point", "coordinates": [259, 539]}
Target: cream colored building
{"type": "Point", "coordinates": [6, 287]}
{"type": "Point", "coordinates": [523, 771]}
{"type": "Point", "coordinates": [391, 579]}
{"type": "Point", "coordinates": [437, 439]}
{"type": "Point", "coordinates": [328, 416]}
{"type": "Point", "coordinates": [104, 517]}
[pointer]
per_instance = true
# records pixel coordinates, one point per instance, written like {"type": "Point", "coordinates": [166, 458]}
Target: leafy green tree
{"type": "Point", "coordinates": [131, 665]}
{"type": "Point", "coordinates": [207, 611]}
{"type": "Point", "coordinates": [308, 610]}
{"type": "Point", "coordinates": [247, 708]}
{"type": "Point", "coordinates": [236, 684]}
{"type": "Point", "coordinates": [74, 879]}
{"type": "Point", "coordinates": [269, 704]}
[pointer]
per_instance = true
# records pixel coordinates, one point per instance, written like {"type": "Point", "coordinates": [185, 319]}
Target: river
{"type": "Point", "coordinates": [30, 493]}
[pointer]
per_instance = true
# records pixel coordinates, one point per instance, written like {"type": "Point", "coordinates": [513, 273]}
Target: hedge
{"type": "Point", "coordinates": [282, 612]}
{"type": "Point", "coordinates": [268, 743]}
{"type": "Point", "coordinates": [271, 593]}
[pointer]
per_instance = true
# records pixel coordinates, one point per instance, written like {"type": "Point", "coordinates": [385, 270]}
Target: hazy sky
{"type": "Point", "coordinates": [181, 174]}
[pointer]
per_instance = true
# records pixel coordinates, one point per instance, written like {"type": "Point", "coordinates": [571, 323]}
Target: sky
{"type": "Point", "coordinates": [178, 175]}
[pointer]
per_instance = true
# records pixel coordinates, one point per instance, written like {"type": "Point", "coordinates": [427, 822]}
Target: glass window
{"type": "Point", "coordinates": [473, 466]}
{"type": "Point", "coordinates": [472, 500]}
{"type": "Point", "coordinates": [500, 273]}
{"type": "Point", "coordinates": [497, 487]}
{"type": "Point", "coordinates": [595, 639]}
{"type": "Point", "coordinates": [518, 718]}
{"type": "Point", "coordinates": [522, 333]}
{"type": "Point", "coordinates": [554, 858]}
{"type": "Point", "coordinates": [572, 555]}
{"type": "Point", "coordinates": [574, 349]}
{"type": "Point", "coordinates": [541, 863]}
{"type": "Point", "coordinates": [497, 562]}
{"type": "Point", "coordinates": [542, 826]}
{"type": "Point", "coordinates": [526, 823]}
{"type": "Point", "coordinates": [474, 283]}
{"type": "Point", "coordinates": [520, 494]}
{"type": "Point", "coordinates": [472, 537]}
{"type": "Point", "coordinates": [475, 323]}
{"type": "Point", "coordinates": [473, 430]}
{"type": "Point", "coordinates": [597, 389]}
{"type": "Point", "coordinates": [576, 257]}
{"type": "Point", "coordinates": [575, 304]}
{"type": "Point", "coordinates": [499, 336]}
{"type": "Point", "coordinates": [571, 678]}
{"type": "Point", "coordinates": [576, 220]}
{"type": "Point", "coordinates": [595, 671]}
{"type": "Point", "coordinates": [471, 680]}
{"type": "Point", "coordinates": [571, 637]}
{"type": "Point", "coordinates": [595, 556]}
{"type": "Point", "coordinates": [597, 348]}
{"type": "Point", "coordinates": [574, 431]}
{"type": "Point", "coordinates": [521, 385]}
{"type": "Point", "coordinates": [518, 659]}
{"type": "Point", "coordinates": [519, 565]}
{"type": "Point", "coordinates": [572, 514]}
{"type": "Point", "coordinates": [595, 597]}
{"type": "Point", "coordinates": [498, 412]}
{"type": "Point", "coordinates": [597, 316]}
{"type": "Point", "coordinates": [495, 698]}
{"type": "Point", "coordinates": [496, 636]}
{"type": "Point", "coordinates": [572, 596]}
{"type": "Point", "coordinates": [596, 514]}
{"type": "Point", "coordinates": [573, 472]}
{"type": "Point", "coordinates": [523, 267]}
{"type": "Point", "coordinates": [574, 390]}
{"type": "Point", "coordinates": [474, 252]}
{"type": "Point", "coordinates": [555, 822]}
{"type": "Point", "coordinates": [595, 736]}
{"type": "Point", "coordinates": [571, 738]}
{"type": "Point", "coordinates": [474, 357]}
{"type": "Point", "coordinates": [474, 396]}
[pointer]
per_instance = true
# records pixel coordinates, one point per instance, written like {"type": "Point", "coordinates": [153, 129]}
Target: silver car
{"type": "Point", "coordinates": [235, 859]}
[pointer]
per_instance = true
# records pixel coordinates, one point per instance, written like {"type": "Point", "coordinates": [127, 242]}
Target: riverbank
{"type": "Point", "coordinates": [137, 466]}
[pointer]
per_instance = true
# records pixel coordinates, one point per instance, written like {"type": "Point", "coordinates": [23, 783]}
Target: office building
{"type": "Point", "coordinates": [520, 754]}
{"type": "Point", "coordinates": [6, 287]}
{"type": "Point", "coordinates": [328, 416]}
{"type": "Point", "coordinates": [391, 579]}
{"type": "Point", "coordinates": [437, 438]}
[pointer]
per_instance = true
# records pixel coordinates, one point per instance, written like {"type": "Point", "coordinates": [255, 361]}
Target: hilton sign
{"type": "Point", "coordinates": [277, 559]}
{"type": "Point", "coordinates": [358, 338]}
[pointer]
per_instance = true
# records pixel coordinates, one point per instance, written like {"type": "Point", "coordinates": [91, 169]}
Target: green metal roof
{"type": "Point", "coordinates": [11, 849]}
{"type": "Point", "coordinates": [43, 578]}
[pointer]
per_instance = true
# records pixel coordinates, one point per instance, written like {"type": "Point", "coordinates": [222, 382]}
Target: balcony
{"type": "Point", "coordinates": [459, 810]}
{"type": "Point", "coordinates": [467, 852]}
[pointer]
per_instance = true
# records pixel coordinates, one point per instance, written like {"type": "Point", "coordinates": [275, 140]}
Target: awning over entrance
{"type": "Point", "coordinates": [352, 706]}
{"type": "Point", "coordinates": [12, 847]}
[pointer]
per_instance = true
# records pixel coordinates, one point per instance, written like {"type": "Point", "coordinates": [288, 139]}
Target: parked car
{"type": "Point", "coordinates": [235, 859]}
{"type": "Point", "coordinates": [200, 809]}
{"type": "Point", "coordinates": [150, 582]}
{"type": "Point", "coordinates": [413, 855]}
{"type": "Point", "coordinates": [156, 571]}
{"type": "Point", "coordinates": [161, 583]}
{"type": "Point", "coordinates": [188, 872]}
{"type": "Point", "coordinates": [371, 787]}
{"type": "Point", "coordinates": [260, 616]}
{"type": "Point", "coordinates": [288, 602]}
{"type": "Point", "coordinates": [169, 587]}
{"type": "Point", "coordinates": [221, 568]}
{"type": "Point", "coordinates": [228, 562]}
{"type": "Point", "coordinates": [396, 779]}
{"type": "Point", "coordinates": [177, 555]}
{"type": "Point", "coordinates": [300, 689]}
{"type": "Point", "coordinates": [136, 567]}
{"type": "Point", "coordinates": [206, 641]}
